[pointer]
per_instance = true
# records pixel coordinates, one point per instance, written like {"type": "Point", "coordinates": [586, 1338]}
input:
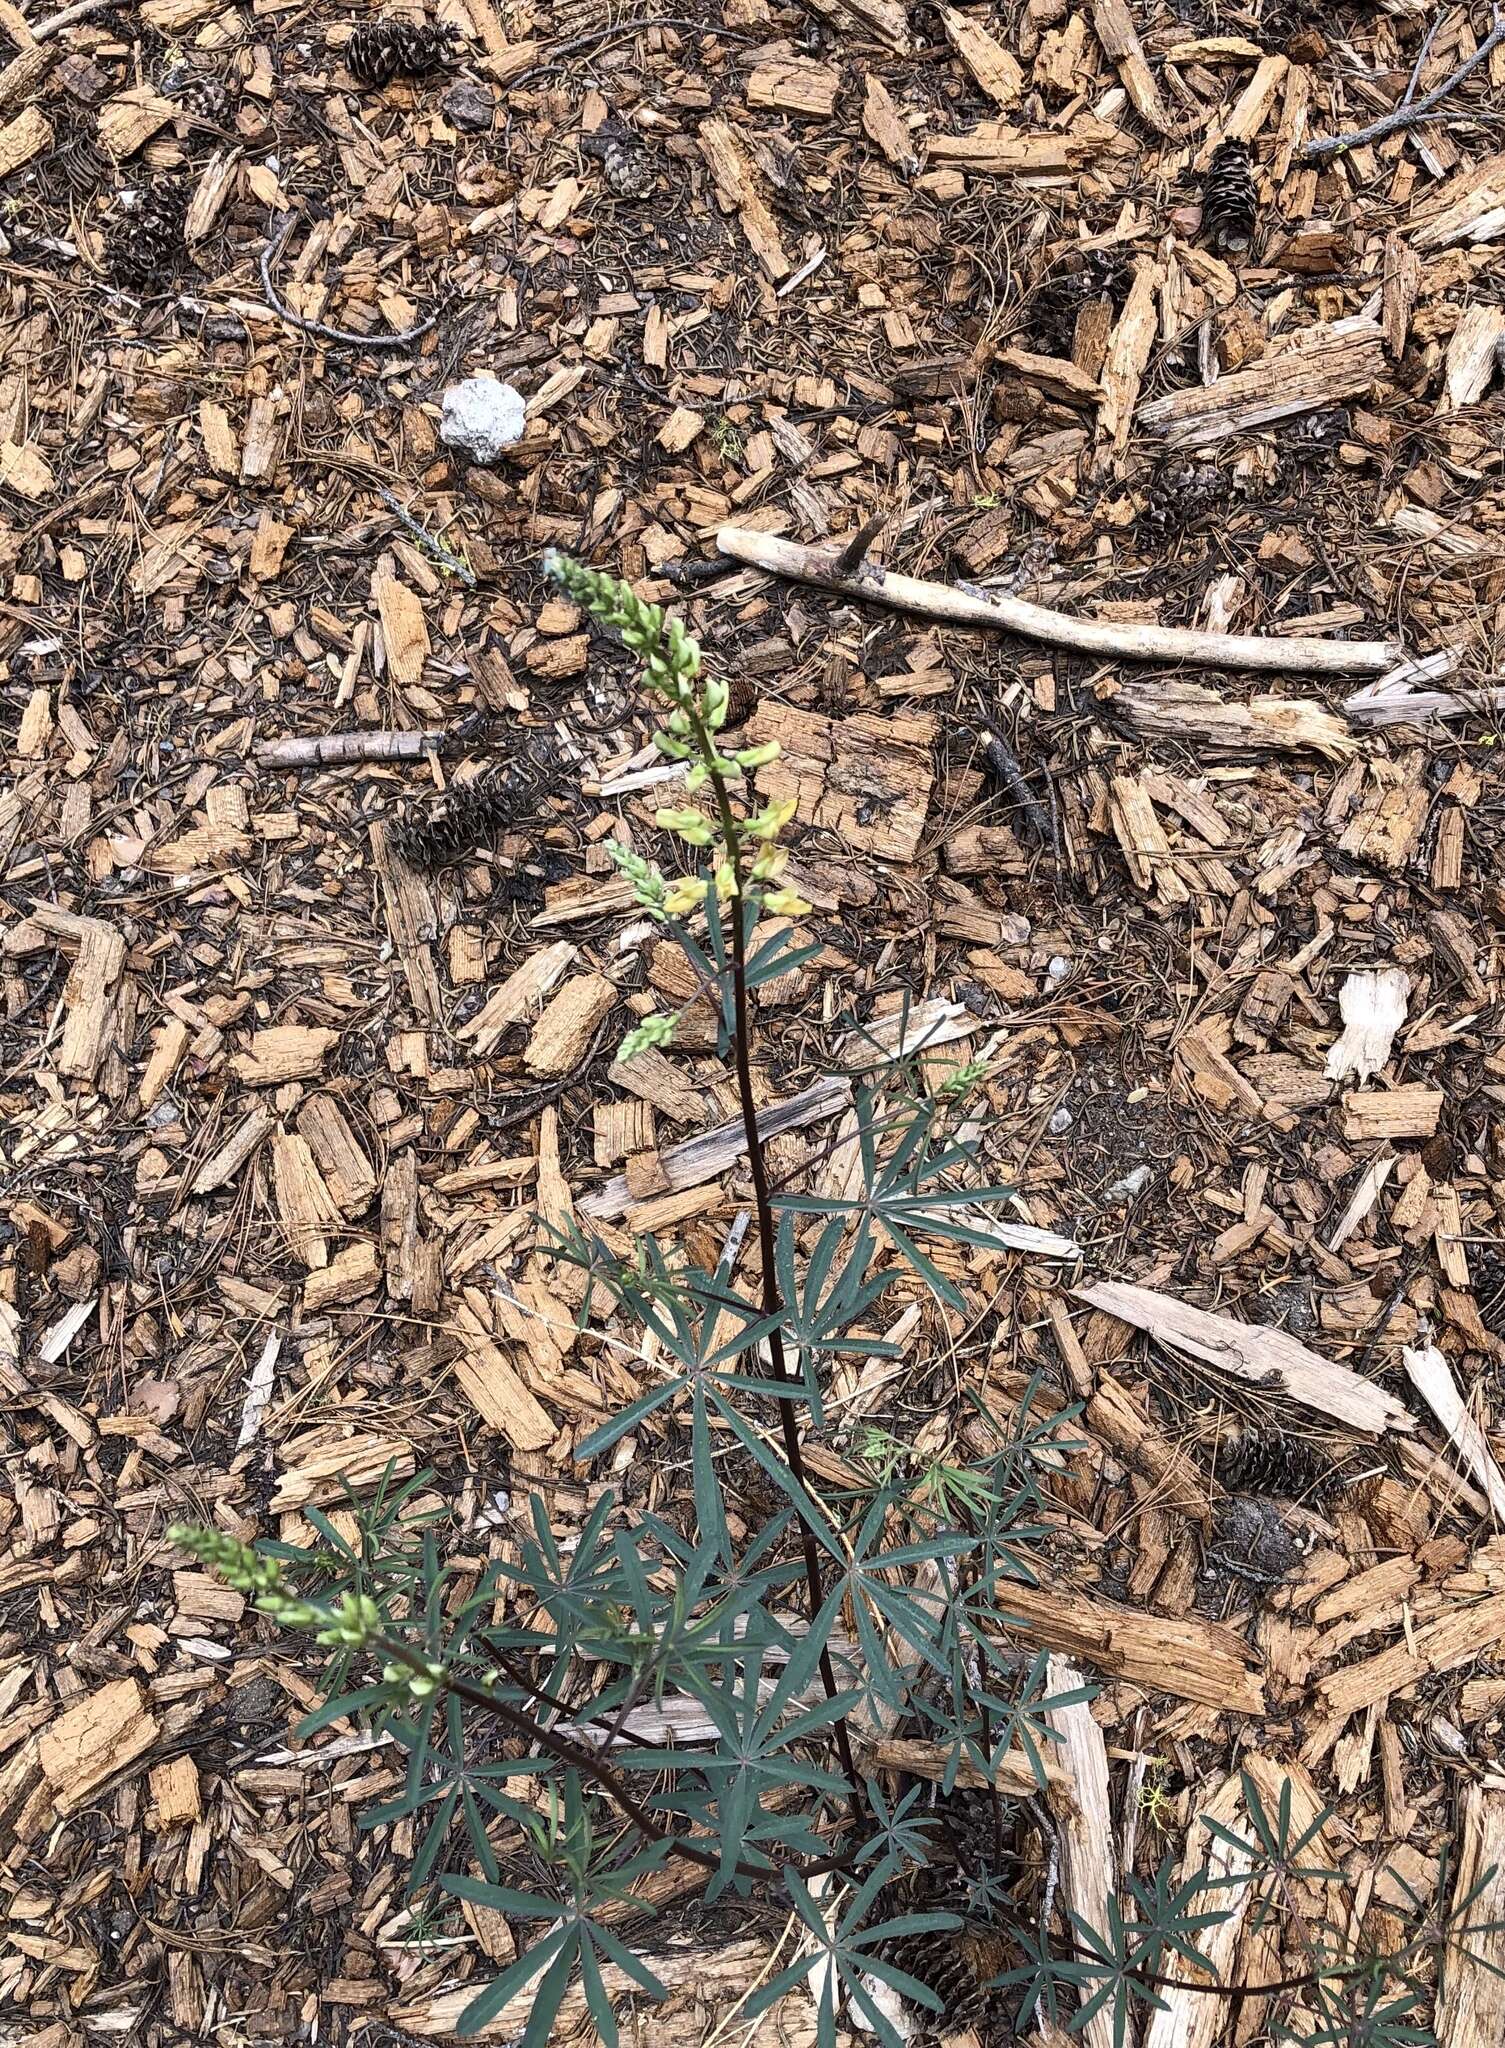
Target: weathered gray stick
{"type": "Point", "coordinates": [821, 566]}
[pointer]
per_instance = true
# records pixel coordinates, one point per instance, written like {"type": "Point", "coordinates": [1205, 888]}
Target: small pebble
{"type": "Point", "coordinates": [482, 417]}
{"type": "Point", "coordinates": [1060, 1120]}
{"type": "Point", "coordinates": [1058, 969]}
{"type": "Point", "coordinates": [470, 107]}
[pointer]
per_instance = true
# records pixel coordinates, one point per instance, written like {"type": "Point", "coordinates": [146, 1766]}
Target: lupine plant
{"type": "Point", "coordinates": [703, 1688]}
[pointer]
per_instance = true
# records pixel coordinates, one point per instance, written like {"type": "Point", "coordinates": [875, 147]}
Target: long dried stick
{"type": "Point", "coordinates": [962, 607]}
{"type": "Point", "coordinates": [336, 747]}
{"type": "Point", "coordinates": [1410, 111]}
{"type": "Point", "coordinates": [269, 256]}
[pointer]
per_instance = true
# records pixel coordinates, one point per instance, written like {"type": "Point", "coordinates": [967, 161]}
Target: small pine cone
{"type": "Point", "coordinates": [479, 812]}
{"type": "Point", "coordinates": [628, 171]}
{"type": "Point", "coordinates": [1230, 204]}
{"type": "Point", "coordinates": [967, 1819]}
{"type": "Point", "coordinates": [1181, 493]}
{"type": "Point", "coordinates": [941, 1962]}
{"type": "Point", "coordinates": [379, 51]}
{"type": "Point", "coordinates": [147, 243]}
{"type": "Point", "coordinates": [1268, 1462]}
{"type": "Point", "coordinates": [210, 98]}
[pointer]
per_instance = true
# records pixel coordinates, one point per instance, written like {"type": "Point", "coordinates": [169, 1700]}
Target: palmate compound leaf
{"type": "Point", "coordinates": [903, 1193]}
{"type": "Point", "coordinates": [767, 1723]}
{"type": "Point", "coordinates": [840, 1953]}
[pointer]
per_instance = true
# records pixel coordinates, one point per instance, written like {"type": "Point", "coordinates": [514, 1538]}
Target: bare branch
{"type": "Point", "coordinates": [1410, 111]}
{"type": "Point", "coordinates": [966, 607]}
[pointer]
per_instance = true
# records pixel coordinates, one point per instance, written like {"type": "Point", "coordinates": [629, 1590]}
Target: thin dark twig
{"type": "Point", "coordinates": [854, 553]}
{"type": "Point", "coordinates": [1416, 69]}
{"type": "Point", "coordinates": [1410, 111]}
{"type": "Point", "coordinates": [269, 256]}
{"type": "Point", "coordinates": [618, 31]}
{"type": "Point", "coordinates": [1007, 768]}
{"type": "Point", "coordinates": [431, 541]}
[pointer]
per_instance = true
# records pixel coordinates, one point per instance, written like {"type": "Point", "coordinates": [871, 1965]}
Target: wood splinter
{"type": "Point", "coordinates": [825, 569]}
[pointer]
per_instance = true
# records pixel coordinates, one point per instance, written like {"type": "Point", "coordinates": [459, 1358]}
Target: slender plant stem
{"type": "Point", "coordinates": [763, 1212]}
{"type": "Point", "coordinates": [1410, 111]}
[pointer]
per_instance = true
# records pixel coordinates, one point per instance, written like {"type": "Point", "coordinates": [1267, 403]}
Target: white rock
{"type": "Point", "coordinates": [482, 417]}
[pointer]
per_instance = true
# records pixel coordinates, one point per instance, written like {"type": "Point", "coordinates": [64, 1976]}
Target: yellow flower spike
{"type": "Point", "coordinates": [686, 895]}
{"type": "Point", "coordinates": [692, 826]}
{"type": "Point", "coordinates": [772, 819]}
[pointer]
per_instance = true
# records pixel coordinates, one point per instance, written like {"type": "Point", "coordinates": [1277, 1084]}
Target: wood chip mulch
{"type": "Point", "coordinates": [284, 1102]}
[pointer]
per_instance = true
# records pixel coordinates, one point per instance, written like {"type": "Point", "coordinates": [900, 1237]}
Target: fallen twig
{"type": "Point", "coordinates": [80, 11]}
{"type": "Point", "coordinates": [435, 546]}
{"type": "Point", "coordinates": [1410, 110]}
{"type": "Point", "coordinates": [1088, 636]}
{"type": "Point", "coordinates": [269, 256]}
{"type": "Point", "coordinates": [335, 747]}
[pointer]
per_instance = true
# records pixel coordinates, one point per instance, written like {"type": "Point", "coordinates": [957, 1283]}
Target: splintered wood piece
{"type": "Point", "coordinates": [283, 1052]}
{"type": "Point", "coordinates": [1471, 2001]}
{"type": "Point", "coordinates": [1250, 111]}
{"type": "Point", "coordinates": [1115, 1417]}
{"type": "Point", "coordinates": [883, 124]}
{"type": "Point", "coordinates": [1319, 367]}
{"type": "Point", "coordinates": [1114, 26]}
{"type": "Point", "coordinates": [1473, 356]}
{"type": "Point", "coordinates": [658, 1082]}
{"type": "Point", "coordinates": [1145, 846]}
{"type": "Point", "coordinates": [708, 1154]}
{"type": "Point", "coordinates": [23, 138]}
{"type": "Point", "coordinates": [1432, 1377]}
{"type": "Point", "coordinates": [399, 1225]}
{"type": "Point", "coordinates": [344, 1166]}
{"type": "Point", "coordinates": [175, 1791]}
{"type": "Point", "coordinates": [1469, 1629]}
{"type": "Point", "coordinates": [1014, 1776]}
{"type": "Point", "coordinates": [1411, 1111]}
{"type": "Point", "coordinates": [1128, 353]}
{"type": "Point", "coordinates": [494, 1389]}
{"type": "Point", "coordinates": [737, 189]}
{"type": "Point", "coordinates": [89, 1746]}
{"type": "Point", "coordinates": [263, 440]}
{"type": "Point", "coordinates": [318, 1465]}
{"type": "Point", "coordinates": [886, 19]}
{"type": "Point", "coordinates": [1194, 1660]}
{"type": "Point", "coordinates": [224, 1164]}
{"type": "Point", "coordinates": [1253, 1352]}
{"type": "Point", "coordinates": [1168, 707]}
{"type": "Point", "coordinates": [1089, 1863]}
{"type": "Point", "coordinates": [132, 119]}
{"type": "Point", "coordinates": [965, 607]}
{"type": "Point", "coordinates": [516, 997]}
{"type": "Point", "coordinates": [350, 1274]}
{"type": "Point", "coordinates": [1373, 1007]}
{"type": "Point", "coordinates": [564, 1033]}
{"type": "Point", "coordinates": [866, 779]}
{"type": "Point", "coordinates": [306, 1209]}
{"type": "Point", "coordinates": [1363, 1199]}
{"type": "Point", "coordinates": [795, 85]}
{"type": "Point", "coordinates": [995, 70]}
{"type": "Point", "coordinates": [404, 631]}
{"type": "Point", "coordinates": [1469, 208]}
{"type": "Point", "coordinates": [90, 994]}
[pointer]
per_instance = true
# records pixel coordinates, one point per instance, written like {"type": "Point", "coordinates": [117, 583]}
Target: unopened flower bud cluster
{"type": "Point", "coordinates": [697, 712]}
